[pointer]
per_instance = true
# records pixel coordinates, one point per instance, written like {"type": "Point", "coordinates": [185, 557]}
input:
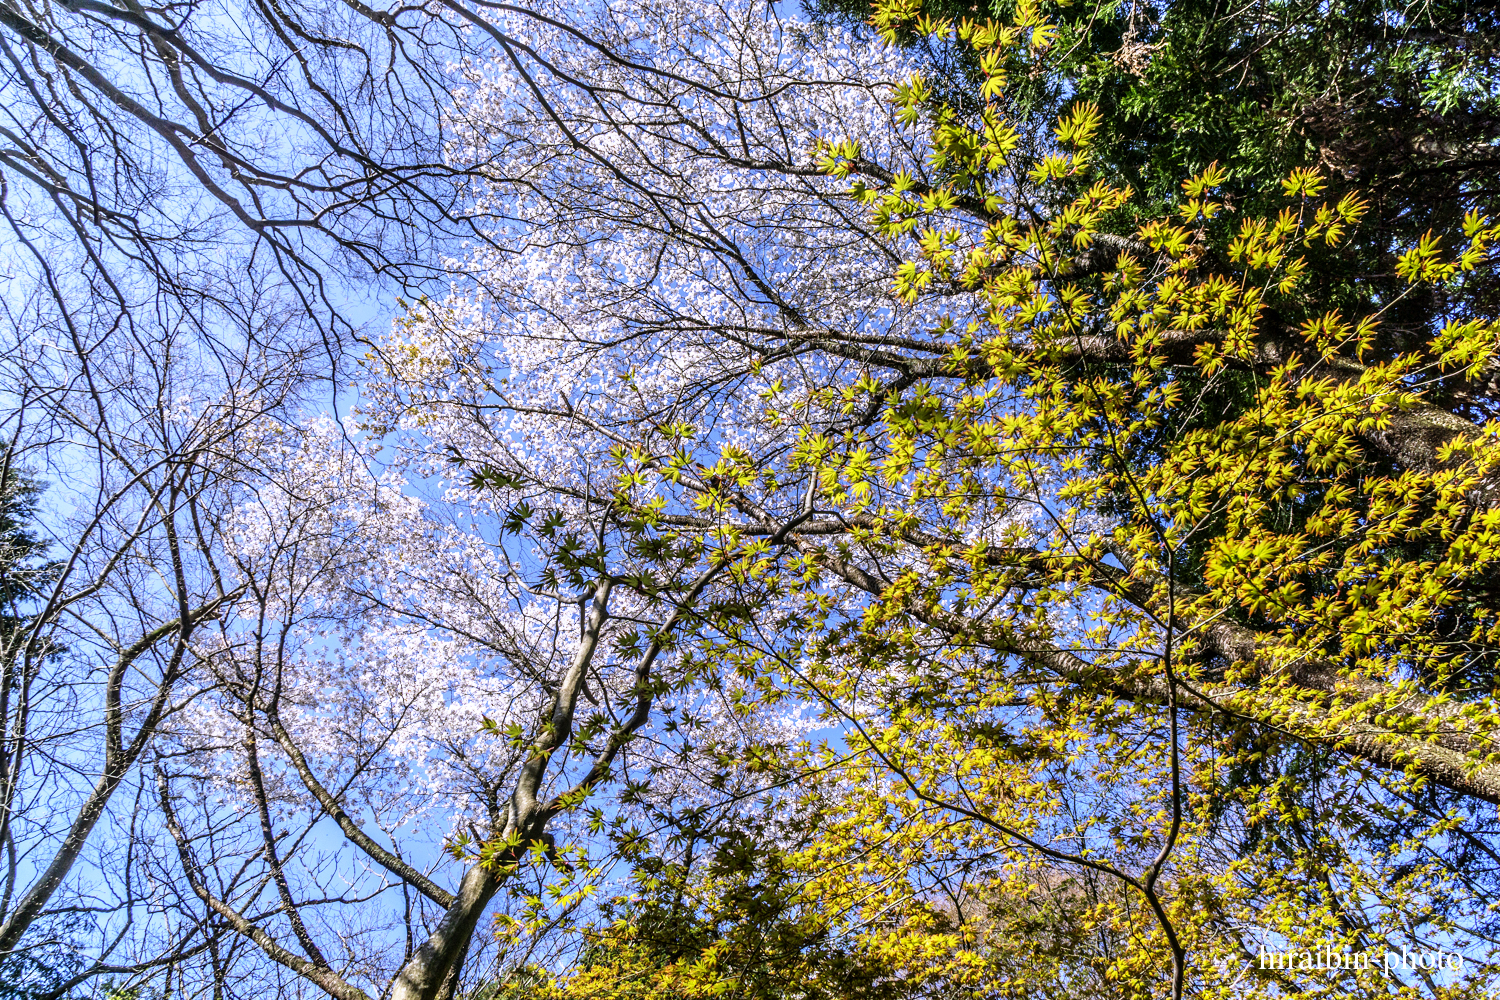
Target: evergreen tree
{"type": "Point", "coordinates": [24, 574]}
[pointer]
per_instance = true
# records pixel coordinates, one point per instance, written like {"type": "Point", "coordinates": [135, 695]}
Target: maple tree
{"type": "Point", "coordinates": [1261, 595]}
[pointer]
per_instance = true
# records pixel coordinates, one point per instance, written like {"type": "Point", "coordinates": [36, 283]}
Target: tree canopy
{"type": "Point", "coordinates": [908, 501]}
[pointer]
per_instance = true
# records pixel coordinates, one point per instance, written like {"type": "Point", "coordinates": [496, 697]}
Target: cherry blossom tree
{"type": "Point", "coordinates": [176, 280]}
{"type": "Point", "coordinates": [436, 702]}
{"type": "Point", "coordinates": [409, 691]}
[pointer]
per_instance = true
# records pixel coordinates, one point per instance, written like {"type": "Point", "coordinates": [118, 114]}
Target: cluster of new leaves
{"type": "Point", "coordinates": [734, 917]}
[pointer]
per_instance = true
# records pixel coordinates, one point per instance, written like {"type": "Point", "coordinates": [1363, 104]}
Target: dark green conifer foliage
{"type": "Point", "coordinates": [24, 570]}
{"type": "Point", "coordinates": [25, 573]}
